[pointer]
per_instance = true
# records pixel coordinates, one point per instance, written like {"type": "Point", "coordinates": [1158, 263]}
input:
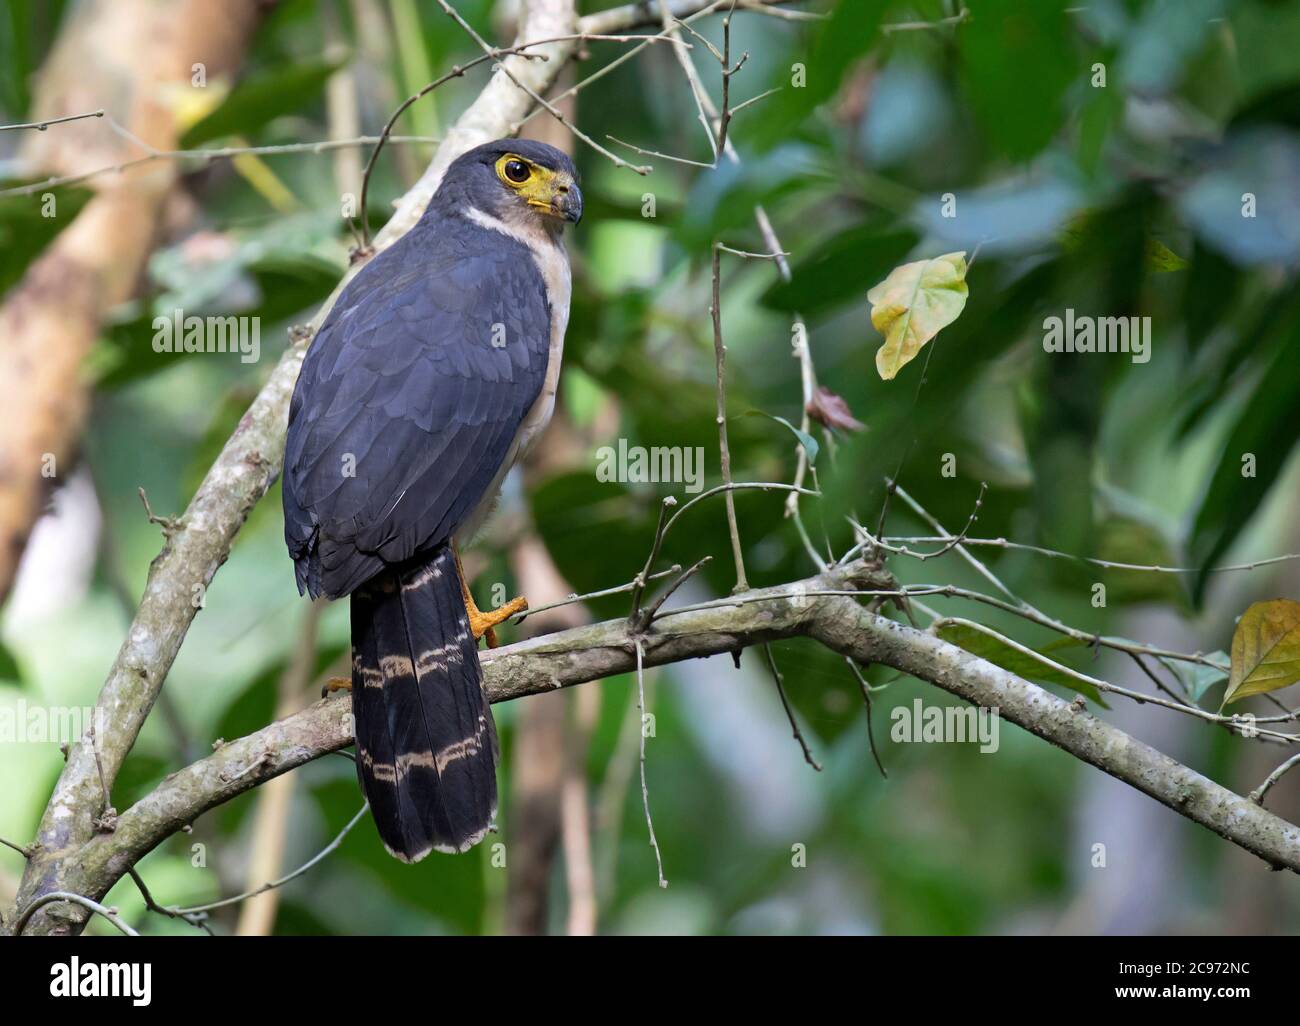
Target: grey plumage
{"type": "Point", "coordinates": [404, 389]}
{"type": "Point", "coordinates": [408, 406]}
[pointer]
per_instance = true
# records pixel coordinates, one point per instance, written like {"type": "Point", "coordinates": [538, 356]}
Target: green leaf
{"type": "Point", "coordinates": [1160, 257]}
{"type": "Point", "coordinates": [838, 43]}
{"type": "Point", "coordinates": [25, 231]}
{"type": "Point", "coordinates": [834, 272]}
{"type": "Point", "coordinates": [1197, 678]}
{"type": "Point", "coordinates": [9, 666]}
{"type": "Point", "coordinates": [808, 442]}
{"type": "Point", "coordinates": [1265, 650]}
{"type": "Point", "coordinates": [913, 305]}
{"type": "Point", "coordinates": [987, 644]}
{"type": "Point", "coordinates": [1261, 441]}
{"type": "Point", "coordinates": [1123, 538]}
{"type": "Point", "coordinates": [1020, 107]}
{"type": "Point", "coordinates": [723, 201]}
{"type": "Point", "coordinates": [261, 98]}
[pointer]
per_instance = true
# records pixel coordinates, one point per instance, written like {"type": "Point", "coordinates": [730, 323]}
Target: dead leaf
{"type": "Point", "coordinates": [1265, 649]}
{"type": "Point", "coordinates": [830, 410]}
{"type": "Point", "coordinates": [914, 304]}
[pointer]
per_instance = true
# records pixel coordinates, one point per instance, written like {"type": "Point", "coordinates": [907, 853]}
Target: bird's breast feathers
{"type": "Point", "coordinates": [548, 253]}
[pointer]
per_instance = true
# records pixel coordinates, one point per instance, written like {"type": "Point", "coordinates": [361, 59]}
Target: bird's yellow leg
{"type": "Point", "coordinates": [336, 684]}
{"type": "Point", "coordinates": [482, 624]}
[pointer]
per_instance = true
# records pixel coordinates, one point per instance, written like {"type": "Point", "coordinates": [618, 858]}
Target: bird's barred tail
{"type": "Point", "coordinates": [426, 743]}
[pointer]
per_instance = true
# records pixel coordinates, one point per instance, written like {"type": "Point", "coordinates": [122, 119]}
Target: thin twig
{"type": "Point", "coordinates": [958, 539]}
{"type": "Point", "coordinates": [653, 610]}
{"type": "Point", "coordinates": [865, 688]}
{"type": "Point", "coordinates": [24, 852]}
{"type": "Point", "coordinates": [1257, 795]}
{"type": "Point", "coordinates": [536, 96]}
{"type": "Point", "coordinates": [748, 255]}
{"type": "Point", "coordinates": [491, 54]}
{"type": "Point", "coordinates": [979, 567]}
{"type": "Point", "coordinates": [736, 486]}
{"type": "Point", "coordinates": [899, 543]}
{"type": "Point", "coordinates": [708, 43]}
{"type": "Point", "coordinates": [666, 35]}
{"type": "Point", "coordinates": [921, 26]}
{"type": "Point", "coordinates": [107, 818]}
{"type": "Point", "coordinates": [458, 70]}
{"type": "Point", "coordinates": [612, 799]}
{"type": "Point", "coordinates": [603, 593]}
{"type": "Point", "coordinates": [1115, 689]}
{"type": "Point", "coordinates": [656, 153]}
{"type": "Point", "coordinates": [758, 7]}
{"type": "Point", "coordinates": [728, 71]}
{"type": "Point", "coordinates": [721, 146]}
{"type": "Point", "coordinates": [952, 591]}
{"type": "Point", "coordinates": [891, 484]}
{"type": "Point", "coordinates": [792, 510]}
{"type": "Point", "coordinates": [645, 791]}
{"type": "Point", "coordinates": [753, 100]}
{"type": "Point", "coordinates": [195, 919]}
{"type": "Point", "coordinates": [720, 361]}
{"type": "Point", "coordinates": [41, 126]}
{"type": "Point", "coordinates": [789, 712]}
{"type": "Point", "coordinates": [670, 26]}
{"type": "Point", "coordinates": [168, 524]}
{"type": "Point", "coordinates": [207, 156]}
{"type": "Point", "coordinates": [332, 846]}
{"type": "Point", "coordinates": [1160, 685]}
{"type": "Point", "coordinates": [635, 618]}
{"type": "Point", "coordinates": [77, 899]}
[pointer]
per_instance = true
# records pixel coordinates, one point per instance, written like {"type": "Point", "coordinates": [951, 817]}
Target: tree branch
{"type": "Point", "coordinates": [606, 649]}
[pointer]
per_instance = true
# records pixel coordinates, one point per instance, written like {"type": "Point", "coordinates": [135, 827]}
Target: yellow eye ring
{"type": "Point", "coordinates": [512, 170]}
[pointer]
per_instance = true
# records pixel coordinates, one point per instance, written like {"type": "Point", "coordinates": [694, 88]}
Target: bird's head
{"type": "Point", "coordinates": [517, 180]}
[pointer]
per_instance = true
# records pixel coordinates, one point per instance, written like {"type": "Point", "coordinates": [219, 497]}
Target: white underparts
{"type": "Point", "coordinates": [552, 262]}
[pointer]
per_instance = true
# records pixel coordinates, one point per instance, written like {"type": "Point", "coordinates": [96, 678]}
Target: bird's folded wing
{"type": "Point", "coordinates": [407, 403]}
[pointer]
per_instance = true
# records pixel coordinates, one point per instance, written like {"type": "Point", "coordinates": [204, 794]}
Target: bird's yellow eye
{"type": "Point", "coordinates": [514, 170]}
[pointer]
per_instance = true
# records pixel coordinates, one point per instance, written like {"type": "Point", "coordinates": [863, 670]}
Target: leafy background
{"type": "Point", "coordinates": [1115, 201]}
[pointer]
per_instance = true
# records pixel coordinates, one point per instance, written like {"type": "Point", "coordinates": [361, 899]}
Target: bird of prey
{"type": "Point", "coordinates": [430, 377]}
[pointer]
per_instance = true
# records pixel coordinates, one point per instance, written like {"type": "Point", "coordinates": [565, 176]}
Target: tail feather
{"type": "Point", "coordinates": [426, 744]}
{"type": "Point", "coordinates": [375, 754]}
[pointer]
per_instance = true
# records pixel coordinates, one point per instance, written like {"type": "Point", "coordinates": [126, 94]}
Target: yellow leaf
{"type": "Point", "coordinates": [256, 172]}
{"type": "Point", "coordinates": [189, 105]}
{"type": "Point", "coordinates": [914, 304]}
{"type": "Point", "coordinates": [1265, 649]}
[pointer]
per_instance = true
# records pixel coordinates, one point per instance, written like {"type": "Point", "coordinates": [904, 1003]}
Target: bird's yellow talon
{"type": "Point", "coordinates": [336, 684]}
{"type": "Point", "coordinates": [482, 624]}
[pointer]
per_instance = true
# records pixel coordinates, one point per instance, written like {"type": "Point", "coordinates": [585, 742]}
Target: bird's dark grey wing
{"type": "Point", "coordinates": [409, 399]}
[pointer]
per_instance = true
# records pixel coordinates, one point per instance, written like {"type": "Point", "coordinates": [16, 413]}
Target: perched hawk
{"type": "Point", "coordinates": [432, 374]}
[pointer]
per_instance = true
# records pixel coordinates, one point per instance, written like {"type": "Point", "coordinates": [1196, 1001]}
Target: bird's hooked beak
{"type": "Point", "coordinates": [568, 202]}
{"type": "Point", "coordinates": [559, 196]}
